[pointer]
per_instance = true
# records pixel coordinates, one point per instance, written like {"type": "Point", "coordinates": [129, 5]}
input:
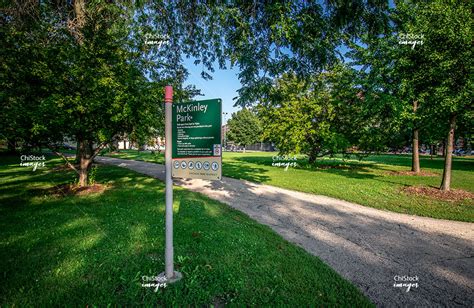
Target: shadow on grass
{"type": "Point", "coordinates": [459, 163]}
{"type": "Point", "coordinates": [364, 170]}
{"type": "Point", "coordinates": [95, 249]}
{"type": "Point", "coordinates": [246, 172]}
{"type": "Point", "coordinates": [366, 247]}
{"type": "Point", "coordinates": [373, 161]}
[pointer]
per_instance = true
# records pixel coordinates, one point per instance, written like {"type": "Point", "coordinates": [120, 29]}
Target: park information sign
{"type": "Point", "coordinates": [196, 132]}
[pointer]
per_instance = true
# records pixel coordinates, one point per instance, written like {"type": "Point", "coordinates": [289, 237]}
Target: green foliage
{"type": "Point", "coordinates": [263, 39]}
{"type": "Point", "coordinates": [446, 54]}
{"type": "Point", "coordinates": [93, 175]}
{"type": "Point", "coordinates": [80, 72]}
{"type": "Point", "coordinates": [245, 128]}
{"type": "Point", "coordinates": [86, 70]}
{"type": "Point", "coordinates": [387, 88]}
{"type": "Point", "coordinates": [321, 116]}
{"type": "Point", "coordinates": [434, 72]}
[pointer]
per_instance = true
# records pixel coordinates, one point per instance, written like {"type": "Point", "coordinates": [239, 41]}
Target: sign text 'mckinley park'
{"type": "Point", "coordinates": [196, 131]}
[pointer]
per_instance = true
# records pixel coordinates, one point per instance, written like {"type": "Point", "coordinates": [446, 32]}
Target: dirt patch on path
{"type": "Point", "coordinates": [436, 193]}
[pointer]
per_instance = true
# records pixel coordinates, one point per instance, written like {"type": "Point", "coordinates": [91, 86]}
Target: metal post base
{"type": "Point", "coordinates": [176, 277]}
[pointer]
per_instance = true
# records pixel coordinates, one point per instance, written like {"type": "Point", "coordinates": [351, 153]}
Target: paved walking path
{"type": "Point", "coordinates": [367, 246]}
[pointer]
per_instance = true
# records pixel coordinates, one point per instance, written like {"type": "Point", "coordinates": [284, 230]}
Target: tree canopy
{"type": "Point", "coordinates": [92, 70]}
{"type": "Point", "coordinates": [423, 65]}
{"type": "Point", "coordinates": [245, 128]}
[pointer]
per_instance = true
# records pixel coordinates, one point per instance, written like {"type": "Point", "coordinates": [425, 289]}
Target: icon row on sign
{"type": "Point", "coordinates": [198, 165]}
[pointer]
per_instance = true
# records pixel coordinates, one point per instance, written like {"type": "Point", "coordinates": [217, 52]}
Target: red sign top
{"type": "Point", "coordinates": [168, 94]}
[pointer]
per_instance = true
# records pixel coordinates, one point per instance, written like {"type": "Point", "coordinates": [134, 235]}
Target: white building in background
{"type": "Point", "coordinates": [124, 145]}
{"type": "Point", "coordinates": [155, 144]}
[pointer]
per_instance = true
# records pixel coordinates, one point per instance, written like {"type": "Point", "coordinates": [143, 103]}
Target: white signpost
{"type": "Point", "coordinates": [193, 150]}
{"type": "Point", "coordinates": [169, 275]}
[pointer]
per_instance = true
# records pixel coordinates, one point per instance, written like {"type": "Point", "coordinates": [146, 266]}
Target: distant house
{"type": "Point", "coordinates": [224, 131]}
{"type": "Point", "coordinates": [124, 145]}
{"type": "Point", "coordinates": [156, 144]}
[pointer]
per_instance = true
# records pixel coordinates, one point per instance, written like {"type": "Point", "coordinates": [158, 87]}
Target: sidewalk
{"type": "Point", "coordinates": [367, 246]}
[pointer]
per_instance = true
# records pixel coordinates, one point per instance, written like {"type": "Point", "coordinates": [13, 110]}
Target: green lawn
{"type": "Point", "coordinates": [95, 249]}
{"type": "Point", "coordinates": [366, 182]}
{"type": "Point", "coordinates": [157, 157]}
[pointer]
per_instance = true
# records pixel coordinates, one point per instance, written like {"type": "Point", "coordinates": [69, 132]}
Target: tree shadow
{"type": "Point", "coordinates": [96, 249]}
{"type": "Point", "coordinates": [367, 246]}
{"type": "Point", "coordinates": [102, 245]}
{"type": "Point", "coordinates": [374, 162]}
{"type": "Point", "coordinates": [245, 172]}
{"type": "Point", "coordinates": [459, 163]}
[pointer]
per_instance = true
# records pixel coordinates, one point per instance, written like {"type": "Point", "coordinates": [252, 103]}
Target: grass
{"type": "Point", "coordinates": [368, 182]}
{"type": "Point", "coordinates": [95, 249]}
{"type": "Point", "coordinates": [157, 157]}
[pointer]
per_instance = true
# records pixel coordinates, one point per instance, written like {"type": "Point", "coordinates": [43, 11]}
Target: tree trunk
{"type": "Point", "coordinates": [84, 172]}
{"type": "Point", "coordinates": [313, 154]}
{"type": "Point", "coordinates": [85, 153]}
{"type": "Point", "coordinates": [415, 160]}
{"type": "Point", "coordinates": [78, 157]}
{"type": "Point", "coordinates": [76, 24]}
{"type": "Point", "coordinates": [448, 157]}
{"type": "Point", "coordinates": [11, 145]}
{"type": "Point", "coordinates": [415, 156]}
{"type": "Point", "coordinates": [115, 146]}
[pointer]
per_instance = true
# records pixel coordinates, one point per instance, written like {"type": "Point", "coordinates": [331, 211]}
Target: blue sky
{"type": "Point", "coordinates": [224, 85]}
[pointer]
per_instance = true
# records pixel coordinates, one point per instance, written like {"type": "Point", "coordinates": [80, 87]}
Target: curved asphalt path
{"type": "Point", "coordinates": [367, 246]}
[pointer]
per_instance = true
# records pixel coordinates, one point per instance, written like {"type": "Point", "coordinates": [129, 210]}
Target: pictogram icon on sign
{"type": "Point", "coordinates": [198, 165]}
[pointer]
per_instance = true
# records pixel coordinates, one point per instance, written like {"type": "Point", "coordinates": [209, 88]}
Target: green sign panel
{"type": "Point", "coordinates": [196, 131]}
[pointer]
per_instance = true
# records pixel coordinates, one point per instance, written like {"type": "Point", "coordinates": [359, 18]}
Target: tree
{"type": "Point", "coordinates": [90, 74]}
{"type": "Point", "coordinates": [432, 76]}
{"type": "Point", "coordinates": [322, 117]}
{"type": "Point", "coordinates": [20, 74]}
{"type": "Point", "coordinates": [297, 118]}
{"type": "Point", "coordinates": [264, 39]}
{"type": "Point", "coordinates": [447, 61]}
{"type": "Point", "coordinates": [84, 79]}
{"type": "Point", "coordinates": [390, 77]}
{"type": "Point", "coordinates": [244, 128]}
